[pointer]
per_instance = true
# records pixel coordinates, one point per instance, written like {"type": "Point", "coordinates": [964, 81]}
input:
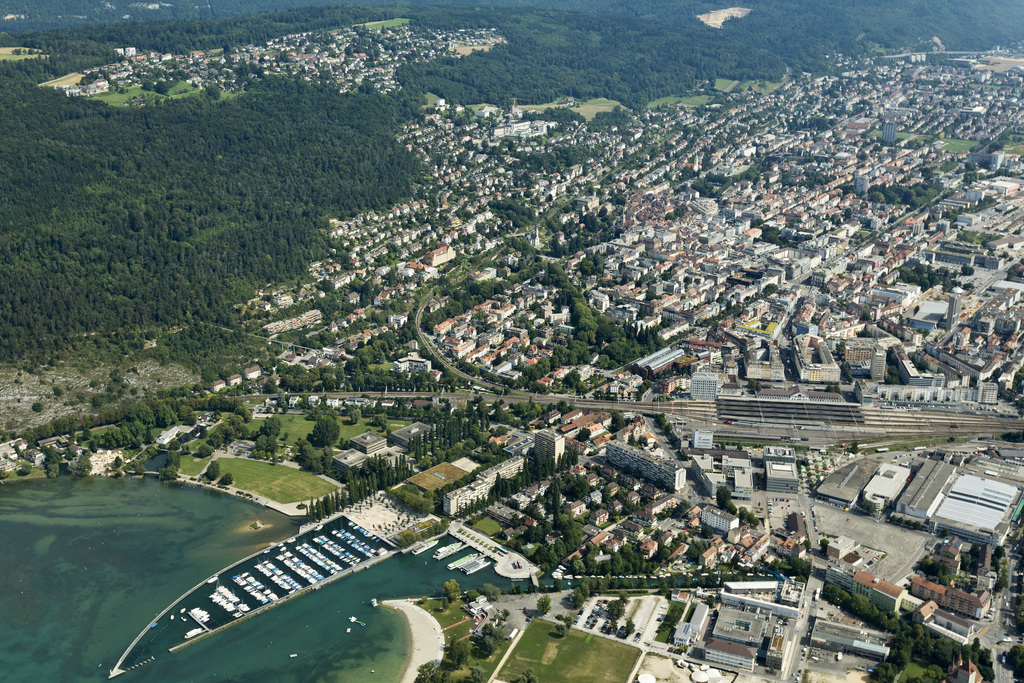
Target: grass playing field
{"type": "Point", "coordinates": [276, 482]}
{"type": "Point", "coordinates": [576, 657]}
{"type": "Point", "coordinates": [487, 526]}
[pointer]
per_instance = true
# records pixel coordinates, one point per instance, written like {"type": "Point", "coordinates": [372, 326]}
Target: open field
{"type": "Point", "coordinates": [468, 49]}
{"type": "Point", "coordinates": [691, 101]}
{"type": "Point", "coordinates": [960, 145]}
{"type": "Point", "coordinates": [576, 657]}
{"type": "Point", "coordinates": [588, 108]}
{"type": "Point", "coordinates": [728, 85]}
{"type": "Point", "coordinates": [386, 23]}
{"type": "Point", "coordinates": [718, 17]}
{"type": "Point", "coordinates": [437, 476]}
{"type": "Point", "coordinates": [278, 483]}
{"type": "Point", "coordinates": [70, 79]}
{"type": "Point", "coordinates": [122, 98]}
{"type": "Point", "coordinates": [7, 54]}
{"type": "Point", "coordinates": [295, 427]}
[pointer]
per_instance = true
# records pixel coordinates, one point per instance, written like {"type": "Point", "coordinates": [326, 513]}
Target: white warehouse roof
{"type": "Point", "coordinates": [976, 501]}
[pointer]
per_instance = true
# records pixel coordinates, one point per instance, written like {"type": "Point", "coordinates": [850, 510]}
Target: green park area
{"type": "Point", "coordinates": [386, 23]}
{"type": "Point", "coordinates": [586, 108]}
{"type": "Point", "coordinates": [691, 101]}
{"type": "Point", "coordinates": [576, 657]}
{"type": "Point", "coordinates": [13, 54]}
{"type": "Point", "coordinates": [729, 85]}
{"type": "Point", "coordinates": [115, 98]}
{"type": "Point", "coordinates": [190, 465]}
{"type": "Point", "coordinates": [295, 427]}
{"type": "Point", "coordinates": [276, 482]}
{"type": "Point", "coordinates": [488, 526]}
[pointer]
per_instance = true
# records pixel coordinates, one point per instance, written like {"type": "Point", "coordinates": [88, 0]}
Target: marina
{"type": "Point", "coordinates": [302, 563]}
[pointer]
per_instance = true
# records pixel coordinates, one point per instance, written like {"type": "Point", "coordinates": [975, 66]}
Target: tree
{"type": "Point", "coordinates": [477, 675]}
{"type": "Point", "coordinates": [458, 652]}
{"type": "Point", "coordinates": [491, 591]}
{"type": "Point", "coordinates": [544, 604]}
{"type": "Point", "coordinates": [431, 673]}
{"type": "Point", "coordinates": [452, 590]}
{"type": "Point", "coordinates": [169, 473]}
{"type": "Point", "coordinates": [630, 627]}
{"type": "Point", "coordinates": [823, 544]}
{"type": "Point", "coordinates": [213, 471]}
{"type": "Point", "coordinates": [228, 479]}
{"type": "Point", "coordinates": [527, 677]}
{"type": "Point", "coordinates": [325, 432]}
{"type": "Point", "coordinates": [354, 414]}
{"type": "Point", "coordinates": [577, 597]}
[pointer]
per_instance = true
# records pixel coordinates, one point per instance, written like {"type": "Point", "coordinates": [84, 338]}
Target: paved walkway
{"type": "Point", "coordinates": [503, 564]}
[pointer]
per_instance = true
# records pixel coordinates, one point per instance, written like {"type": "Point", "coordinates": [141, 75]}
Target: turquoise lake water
{"type": "Point", "coordinates": [86, 564]}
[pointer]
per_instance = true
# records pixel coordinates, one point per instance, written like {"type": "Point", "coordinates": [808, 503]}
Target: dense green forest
{"type": "Point", "coordinates": [126, 220]}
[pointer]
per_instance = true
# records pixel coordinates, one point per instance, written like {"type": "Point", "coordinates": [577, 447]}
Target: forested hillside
{"type": "Point", "coordinates": [130, 219]}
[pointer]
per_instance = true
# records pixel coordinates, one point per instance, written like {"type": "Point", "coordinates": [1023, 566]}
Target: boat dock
{"type": "Point", "coordinates": [268, 578]}
{"type": "Point", "coordinates": [507, 564]}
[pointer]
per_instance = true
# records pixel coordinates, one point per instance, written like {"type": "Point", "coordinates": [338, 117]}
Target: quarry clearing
{"type": "Point", "coordinates": [720, 16]}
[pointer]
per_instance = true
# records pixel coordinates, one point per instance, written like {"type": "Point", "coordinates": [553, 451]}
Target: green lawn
{"type": "Point", "coordinates": [120, 99]}
{"type": "Point", "coordinates": [913, 670]}
{"type": "Point", "coordinates": [960, 145]}
{"type": "Point", "coordinates": [453, 615]}
{"type": "Point", "coordinates": [691, 101]}
{"type": "Point", "coordinates": [725, 84]}
{"type": "Point", "coordinates": [487, 526]}
{"type": "Point", "coordinates": [191, 466]}
{"type": "Point", "coordinates": [279, 483]}
{"type": "Point", "coordinates": [387, 23]}
{"type": "Point", "coordinates": [298, 427]}
{"type": "Point", "coordinates": [586, 108]}
{"type": "Point", "coordinates": [576, 657]}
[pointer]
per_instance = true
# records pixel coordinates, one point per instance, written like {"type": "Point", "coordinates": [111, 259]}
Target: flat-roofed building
{"type": "Point", "coordinates": [732, 655]}
{"type": "Point", "coordinates": [843, 486]}
{"type": "Point", "coordinates": [369, 443]}
{"type": "Point", "coordinates": [853, 640]}
{"type": "Point", "coordinates": [461, 498]}
{"type": "Point", "coordinates": [657, 470]}
{"type": "Point", "coordinates": [886, 485]}
{"type": "Point", "coordinates": [737, 626]}
{"type": "Point", "coordinates": [719, 521]}
{"type": "Point", "coordinates": [781, 477]}
{"type": "Point", "coordinates": [923, 494]}
{"type": "Point", "coordinates": [689, 631]}
{"type": "Point", "coordinates": [977, 510]}
{"type": "Point", "coordinates": [548, 445]}
{"type": "Point", "coordinates": [943, 623]}
{"type": "Point", "coordinates": [405, 435]}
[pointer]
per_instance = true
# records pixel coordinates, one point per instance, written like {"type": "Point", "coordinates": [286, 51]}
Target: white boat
{"type": "Point", "coordinates": [212, 579]}
{"type": "Point", "coordinates": [448, 550]}
{"type": "Point", "coordinates": [193, 633]}
{"type": "Point", "coordinates": [424, 547]}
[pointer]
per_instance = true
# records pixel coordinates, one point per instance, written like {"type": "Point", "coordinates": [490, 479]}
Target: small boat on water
{"type": "Point", "coordinates": [212, 579]}
{"type": "Point", "coordinates": [193, 633]}
{"type": "Point", "coordinates": [293, 655]}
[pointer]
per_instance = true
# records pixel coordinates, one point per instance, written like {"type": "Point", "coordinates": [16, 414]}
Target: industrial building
{"type": "Point", "coordinates": [658, 362]}
{"type": "Point", "coordinates": [886, 485]}
{"type": "Point", "coordinates": [657, 470]}
{"type": "Point", "coordinates": [923, 494]}
{"type": "Point", "coordinates": [849, 639]}
{"type": "Point", "coordinates": [977, 510]}
{"type": "Point", "coordinates": [843, 486]}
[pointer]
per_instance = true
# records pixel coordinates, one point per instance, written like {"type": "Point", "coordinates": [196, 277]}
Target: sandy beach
{"type": "Point", "coordinates": [427, 638]}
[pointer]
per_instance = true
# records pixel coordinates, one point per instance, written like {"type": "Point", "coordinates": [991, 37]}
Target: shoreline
{"type": "Point", "coordinates": [426, 640]}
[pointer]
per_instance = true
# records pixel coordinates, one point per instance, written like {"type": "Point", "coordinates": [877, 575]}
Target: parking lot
{"type": "Point", "coordinates": [902, 547]}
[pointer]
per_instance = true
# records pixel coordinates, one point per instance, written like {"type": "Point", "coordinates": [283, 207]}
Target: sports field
{"type": "Point", "coordinates": [576, 657]}
{"type": "Point", "coordinates": [276, 482]}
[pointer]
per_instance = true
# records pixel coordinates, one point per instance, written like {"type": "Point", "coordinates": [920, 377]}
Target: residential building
{"type": "Point", "coordinates": [974, 605]}
{"type": "Point", "coordinates": [719, 521]}
{"type": "Point", "coordinates": [548, 445]}
{"type": "Point", "coordinates": [667, 472]}
{"type": "Point", "coordinates": [455, 501]}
